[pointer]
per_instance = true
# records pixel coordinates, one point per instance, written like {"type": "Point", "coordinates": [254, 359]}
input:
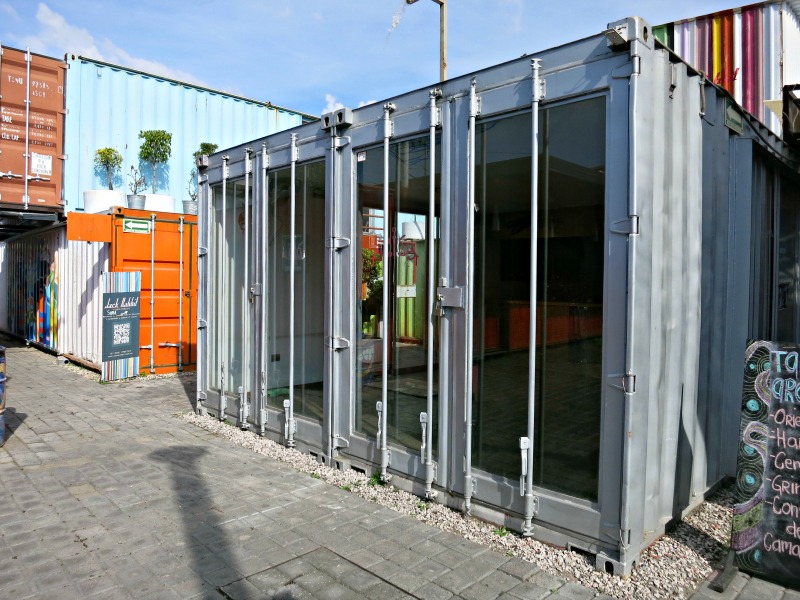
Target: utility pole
{"type": "Point", "coordinates": [442, 36]}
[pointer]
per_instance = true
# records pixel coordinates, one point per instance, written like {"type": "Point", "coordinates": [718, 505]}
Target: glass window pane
{"type": "Point", "coordinates": [228, 293]}
{"type": "Point", "coordinates": [307, 249]}
{"type": "Point", "coordinates": [403, 265]}
{"type": "Point", "coordinates": [569, 306]}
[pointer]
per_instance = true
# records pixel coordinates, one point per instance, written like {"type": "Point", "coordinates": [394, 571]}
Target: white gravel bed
{"type": "Point", "coordinates": [673, 567]}
{"type": "Point", "coordinates": [95, 375]}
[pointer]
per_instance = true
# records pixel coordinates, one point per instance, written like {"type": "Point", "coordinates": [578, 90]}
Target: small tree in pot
{"type": "Point", "coordinates": [205, 148]}
{"type": "Point", "coordinates": [156, 149]}
{"type": "Point", "coordinates": [110, 161]}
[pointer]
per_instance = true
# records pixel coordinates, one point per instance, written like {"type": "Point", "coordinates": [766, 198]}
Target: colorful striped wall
{"type": "Point", "coordinates": [750, 51]}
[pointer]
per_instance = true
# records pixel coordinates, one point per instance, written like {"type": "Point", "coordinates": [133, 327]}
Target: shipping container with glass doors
{"type": "Point", "coordinates": [508, 292]}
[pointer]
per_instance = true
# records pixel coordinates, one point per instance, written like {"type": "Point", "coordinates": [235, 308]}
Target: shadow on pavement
{"type": "Point", "coordinates": [13, 420]}
{"type": "Point", "coordinates": [210, 550]}
{"type": "Point", "coordinates": [189, 384]}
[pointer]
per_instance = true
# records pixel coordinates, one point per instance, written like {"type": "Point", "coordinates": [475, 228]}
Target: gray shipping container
{"type": "Point", "coordinates": [665, 221]}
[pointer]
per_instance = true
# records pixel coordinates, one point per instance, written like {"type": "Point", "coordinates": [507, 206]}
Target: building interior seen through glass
{"type": "Point", "coordinates": [404, 269]}
{"type": "Point", "coordinates": [228, 268]}
{"type": "Point", "coordinates": [569, 303]}
{"type": "Point", "coordinates": [308, 248]}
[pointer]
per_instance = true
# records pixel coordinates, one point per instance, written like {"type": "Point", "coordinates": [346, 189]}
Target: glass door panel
{"type": "Point", "coordinates": [228, 286]}
{"type": "Point", "coordinates": [402, 263]}
{"type": "Point", "coordinates": [308, 251]}
{"type": "Point", "coordinates": [569, 307]}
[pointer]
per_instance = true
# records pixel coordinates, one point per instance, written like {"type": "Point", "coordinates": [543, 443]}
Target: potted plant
{"type": "Point", "coordinates": [107, 163]}
{"type": "Point", "coordinates": [155, 150]}
{"type": "Point", "coordinates": [190, 206]}
{"type": "Point", "coordinates": [136, 185]}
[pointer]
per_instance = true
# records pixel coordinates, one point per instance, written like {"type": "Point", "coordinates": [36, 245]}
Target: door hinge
{"type": "Point", "coordinates": [202, 251]}
{"type": "Point", "coordinates": [337, 343]}
{"type": "Point", "coordinates": [341, 141]}
{"type": "Point", "coordinates": [629, 226]}
{"type": "Point", "coordinates": [202, 323]}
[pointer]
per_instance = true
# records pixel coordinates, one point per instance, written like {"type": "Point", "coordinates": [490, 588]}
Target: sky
{"type": "Point", "coordinates": [314, 56]}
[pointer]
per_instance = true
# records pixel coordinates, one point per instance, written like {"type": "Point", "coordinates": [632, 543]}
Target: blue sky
{"type": "Point", "coordinates": [314, 55]}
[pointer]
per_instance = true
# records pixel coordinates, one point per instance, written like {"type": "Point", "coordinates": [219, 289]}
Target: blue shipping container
{"type": "Point", "coordinates": [109, 105]}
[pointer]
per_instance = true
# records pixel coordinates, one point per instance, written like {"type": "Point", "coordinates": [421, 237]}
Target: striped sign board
{"type": "Point", "coordinates": [120, 324]}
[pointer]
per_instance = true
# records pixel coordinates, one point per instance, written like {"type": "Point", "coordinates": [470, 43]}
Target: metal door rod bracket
{"type": "Point", "coordinates": [629, 226]}
{"type": "Point", "coordinates": [337, 343]}
{"type": "Point", "coordinates": [337, 242]}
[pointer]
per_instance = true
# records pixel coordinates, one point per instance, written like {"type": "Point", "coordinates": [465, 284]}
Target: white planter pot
{"type": "Point", "coordinates": [189, 207]}
{"type": "Point", "coordinates": [100, 201]}
{"type": "Point", "coordinates": [159, 203]}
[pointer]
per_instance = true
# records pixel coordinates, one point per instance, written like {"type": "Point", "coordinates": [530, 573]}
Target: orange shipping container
{"type": "Point", "coordinates": [163, 246]}
{"type": "Point", "coordinates": [31, 130]}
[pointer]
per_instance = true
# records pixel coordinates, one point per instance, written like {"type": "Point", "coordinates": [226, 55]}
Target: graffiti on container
{"type": "Point", "coordinates": [33, 292]}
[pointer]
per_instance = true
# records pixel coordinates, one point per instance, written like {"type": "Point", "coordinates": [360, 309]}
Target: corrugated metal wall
{"type": "Point", "coordinates": [81, 266]}
{"type": "Point", "coordinates": [108, 106]}
{"type": "Point", "coordinates": [750, 51]}
{"type": "Point", "coordinates": [666, 321]}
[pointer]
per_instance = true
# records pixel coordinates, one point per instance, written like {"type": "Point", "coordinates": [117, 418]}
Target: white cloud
{"type": "Point", "coordinates": [332, 104]}
{"type": "Point", "coordinates": [9, 10]}
{"type": "Point", "coordinates": [362, 103]}
{"type": "Point", "coordinates": [285, 13]}
{"type": "Point", "coordinates": [76, 40]}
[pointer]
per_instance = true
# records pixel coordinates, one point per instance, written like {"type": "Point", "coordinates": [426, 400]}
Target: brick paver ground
{"type": "Point", "coordinates": [104, 494]}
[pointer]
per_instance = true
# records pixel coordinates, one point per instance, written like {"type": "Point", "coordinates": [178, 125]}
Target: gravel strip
{"type": "Point", "coordinates": [673, 567]}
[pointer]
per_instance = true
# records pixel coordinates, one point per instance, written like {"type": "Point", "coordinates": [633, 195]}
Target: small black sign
{"type": "Point", "coordinates": [766, 513]}
{"type": "Point", "coordinates": [120, 325]}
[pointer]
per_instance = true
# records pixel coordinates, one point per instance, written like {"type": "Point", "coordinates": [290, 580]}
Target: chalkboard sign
{"type": "Point", "coordinates": [766, 514]}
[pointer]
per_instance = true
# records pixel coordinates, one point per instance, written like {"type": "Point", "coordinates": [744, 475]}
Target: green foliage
{"type": "Point", "coordinates": [156, 149]}
{"type": "Point", "coordinates": [205, 148]}
{"type": "Point", "coordinates": [110, 161]}
{"type": "Point", "coordinates": [345, 487]}
{"type": "Point", "coordinates": [422, 505]}
{"type": "Point", "coordinates": [316, 476]}
{"type": "Point", "coordinates": [375, 480]}
{"type": "Point", "coordinates": [501, 531]}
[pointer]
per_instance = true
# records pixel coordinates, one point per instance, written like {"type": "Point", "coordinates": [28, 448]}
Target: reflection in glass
{"type": "Point", "coordinates": [569, 306]}
{"type": "Point", "coordinates": [402, 264]}
{"type": "Point", "coordinates": [226, 313]}
{"type": "Point", "coordinates": [308, 251]}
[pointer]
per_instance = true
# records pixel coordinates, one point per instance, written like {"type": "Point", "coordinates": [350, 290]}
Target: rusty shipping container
{"type": "Point", "coordinates": [31, 131]}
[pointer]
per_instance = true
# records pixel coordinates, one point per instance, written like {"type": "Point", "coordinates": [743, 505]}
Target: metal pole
{"type": "Point", "coordinates": [289, 408]}
{"type": "Point", "coordinates": [180, 297]}
{"type": "Point", "coordinates": [387, 252]}
{"type": "Point", "coordinates": [26, 196]}
{"type": "Point", "coordinates": [152, 291]}
{"type": "Point", "coordinates": [428, 441]}
{"type": "Point", "coordinates": [332, 196]}
{"type": "Point", "coordinates": [629, 379]}
{"type": "Point", "coordinates": [527, 528]}
{"type": "Point", "coordinates": [244, 406]}
{"type": "Point", "coordinates": [470, 333]}
{"type": "Point", "coordinates": [264, 239]}
{"type": "Point", "coordinates": [442, 39]}
{"type": "Point", "coordinates": [223, 304]}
